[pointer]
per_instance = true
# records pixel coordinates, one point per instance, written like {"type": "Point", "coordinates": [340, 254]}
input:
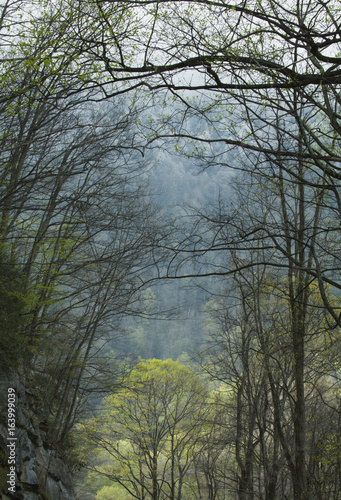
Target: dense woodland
{"type": "Point", "coordinates": [170, 229]}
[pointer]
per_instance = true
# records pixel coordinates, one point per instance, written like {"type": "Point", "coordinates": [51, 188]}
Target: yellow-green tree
{"type": "Point", "coordinates": [148, 434]}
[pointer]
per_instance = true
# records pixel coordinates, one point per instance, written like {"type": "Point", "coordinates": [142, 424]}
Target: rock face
{"type": "Point", "coordinates": [38, 473]}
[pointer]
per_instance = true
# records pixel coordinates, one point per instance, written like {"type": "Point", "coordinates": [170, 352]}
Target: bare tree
{"type": "Point", "coordinates": [271, 236]}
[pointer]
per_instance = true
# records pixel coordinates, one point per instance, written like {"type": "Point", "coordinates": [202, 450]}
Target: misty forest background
{"type": "Point", "coordinates": [170, 242]}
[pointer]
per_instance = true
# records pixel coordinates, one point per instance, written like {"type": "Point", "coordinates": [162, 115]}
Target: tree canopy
{"type": "Point", "coordinates": [89, 90]}
{"type": "Point", "coordinates": [149, 433]}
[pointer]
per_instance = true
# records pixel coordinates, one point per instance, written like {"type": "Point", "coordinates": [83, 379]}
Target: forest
{"type": "Point", "coordinates": [170, 260]}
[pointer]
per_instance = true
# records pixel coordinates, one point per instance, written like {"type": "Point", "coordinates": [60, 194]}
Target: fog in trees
{"type": "Point", "coordinates": [169, 243]}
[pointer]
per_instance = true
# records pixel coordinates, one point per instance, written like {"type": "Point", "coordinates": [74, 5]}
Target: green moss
{"type": "Point", "coordinates": [43, 495]}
